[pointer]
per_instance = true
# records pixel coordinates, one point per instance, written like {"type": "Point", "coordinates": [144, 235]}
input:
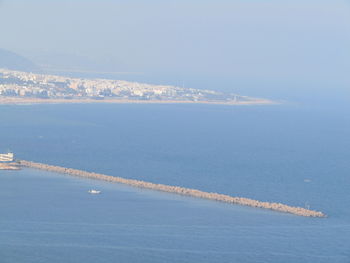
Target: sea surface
{"type": "Point", "coordinates": [294, 154]}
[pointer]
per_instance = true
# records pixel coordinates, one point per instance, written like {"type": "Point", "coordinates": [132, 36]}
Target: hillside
{"type": "Point", "coordinates": [13, 61]}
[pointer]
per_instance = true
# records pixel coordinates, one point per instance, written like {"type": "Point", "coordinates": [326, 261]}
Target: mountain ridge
{"type": "Point", "coordinates": [13, 61]}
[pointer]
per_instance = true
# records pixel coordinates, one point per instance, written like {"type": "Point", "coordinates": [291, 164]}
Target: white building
{"type": "Point", "coordinates": [6, 157]}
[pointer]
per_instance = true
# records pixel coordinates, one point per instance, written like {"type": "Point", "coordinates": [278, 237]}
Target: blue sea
{"type": "Point", "coordinates": [294, 154]}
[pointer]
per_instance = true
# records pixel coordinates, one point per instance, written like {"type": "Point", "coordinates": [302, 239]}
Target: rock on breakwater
{"type": "Point", "coordinates": [178, 190]}
{"type": "Point", "coordinates": [9, 166]}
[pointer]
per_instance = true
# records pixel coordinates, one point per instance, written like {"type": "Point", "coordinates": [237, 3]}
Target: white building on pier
{"type": "Point", "coordinates": [6, 157]}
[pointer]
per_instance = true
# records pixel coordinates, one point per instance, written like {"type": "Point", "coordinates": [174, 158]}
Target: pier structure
{"type": "Point", "coordinates": [6, 157]}
{"type": "Point", "coordinates": [178, 190]}
{"type": "Point", "coordinates": [9, 166]}
{"type": "Point", "coordinates": [7, 162]}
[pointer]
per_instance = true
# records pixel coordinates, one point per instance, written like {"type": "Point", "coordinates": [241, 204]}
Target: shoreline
{"type": "Point", "coordinates": [299, 211]}
{"type": "Point", "coordinates": [29, 101]}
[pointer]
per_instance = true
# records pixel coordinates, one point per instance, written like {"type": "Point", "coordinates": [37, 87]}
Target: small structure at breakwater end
{"type": "Point", "coordinates": [178, 190]}
{"type": "Point", "coordinates": [7, 157]}
{"type": "Point", "coordinates": [7, 162]}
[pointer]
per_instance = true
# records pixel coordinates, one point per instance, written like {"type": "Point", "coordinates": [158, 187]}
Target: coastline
{"type": "Point", "coordinates": [29, 101]}
{"type": "Point", "coordinates": [299, 211]}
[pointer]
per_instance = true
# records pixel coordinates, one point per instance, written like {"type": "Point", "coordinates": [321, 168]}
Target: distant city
{"type": "Point", "coordinates": [18, 84]}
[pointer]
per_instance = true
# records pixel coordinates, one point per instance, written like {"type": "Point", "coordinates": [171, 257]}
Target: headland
{"type": "Point", "coordinates": [18, 87]}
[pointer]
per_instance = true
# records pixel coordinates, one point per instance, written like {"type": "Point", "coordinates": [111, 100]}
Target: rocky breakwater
{"type": "Point", "coordinates": [9, 166]}
{"type": "Point", "coordinates": [178, 190]}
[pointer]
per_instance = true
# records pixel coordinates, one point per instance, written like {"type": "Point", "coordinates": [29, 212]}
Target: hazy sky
{"type": "Point", "coordinates": [253, 46]}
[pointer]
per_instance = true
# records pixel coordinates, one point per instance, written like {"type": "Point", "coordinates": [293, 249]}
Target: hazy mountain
{"type": "Point", "coordinates": [13, 61]}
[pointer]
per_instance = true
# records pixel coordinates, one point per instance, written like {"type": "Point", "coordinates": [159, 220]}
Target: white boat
{"type": "Point", "coordinates": [93, 191]}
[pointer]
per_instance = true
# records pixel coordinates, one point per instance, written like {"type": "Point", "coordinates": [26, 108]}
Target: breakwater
{"type": "Point", "coordinates": [178, 190]}
{"type": "Point", "coordinates": [9, 166]}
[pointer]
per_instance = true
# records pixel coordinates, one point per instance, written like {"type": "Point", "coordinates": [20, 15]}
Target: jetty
{"type": "Point", "coordinates": [9, 166]}
{"type": "Point", "coordinates": [177, 190]}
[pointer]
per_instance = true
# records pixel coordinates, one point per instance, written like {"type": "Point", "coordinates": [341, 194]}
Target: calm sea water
{"type": "Point", "coordinates": [287, 153]}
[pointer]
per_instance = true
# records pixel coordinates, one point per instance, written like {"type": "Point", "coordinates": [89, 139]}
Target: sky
{"type": "Point", "coordinates": [275, 48]}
